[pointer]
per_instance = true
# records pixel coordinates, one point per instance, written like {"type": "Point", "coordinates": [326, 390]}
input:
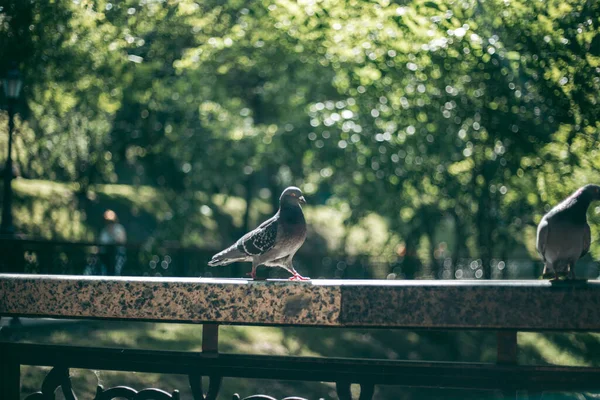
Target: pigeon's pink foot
{"type": "Point", "coordinates": [251, 274]}
{"type": "Point", "coordinates": [298, 277]}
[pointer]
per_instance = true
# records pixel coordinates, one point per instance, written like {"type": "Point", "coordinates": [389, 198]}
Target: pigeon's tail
{"type": "Point", "coordinates": [227, 256]}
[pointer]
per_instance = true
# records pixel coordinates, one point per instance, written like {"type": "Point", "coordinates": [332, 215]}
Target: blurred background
{"type": "Point", "coordinates": [429, 138]}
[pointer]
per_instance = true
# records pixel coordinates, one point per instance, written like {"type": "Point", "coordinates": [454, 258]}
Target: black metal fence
{"type": "Point", "coordinates": [173, 260]}
{"type": "Point", "coordinates": [505, 307]}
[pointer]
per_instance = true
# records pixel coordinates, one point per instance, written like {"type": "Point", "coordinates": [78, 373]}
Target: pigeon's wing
{"type": "Point", "coordinates": [542, 237]}
{"type": "Point", "coordinates": [587, 240]}
{"type": "Point", "coordinates": [260, 240]}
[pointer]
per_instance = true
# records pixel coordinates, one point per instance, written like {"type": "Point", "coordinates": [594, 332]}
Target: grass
{"type": "Point", "coordinates": [565, 349]}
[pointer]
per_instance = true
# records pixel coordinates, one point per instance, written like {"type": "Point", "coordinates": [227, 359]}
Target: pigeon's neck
{"type": "Point", "coordinates": [576, 207]}
{"type": "Point", "coordinates": [291, 214]}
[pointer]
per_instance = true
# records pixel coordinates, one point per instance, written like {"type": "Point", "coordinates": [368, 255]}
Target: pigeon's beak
{"type": "Point", "coordinates": [301, 200]}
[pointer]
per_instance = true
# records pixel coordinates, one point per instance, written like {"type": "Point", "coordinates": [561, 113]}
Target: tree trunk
{"type": "Point", "coordinates": [484, 227]}
{"type": "Point", "coordinates": [429, 217]}
{"type": "Point", "coordinates": [460, 247]}
{"type": "Point", "coordinates": [410, 263]}
{"type": "Point", "coordinates": [249, 195]}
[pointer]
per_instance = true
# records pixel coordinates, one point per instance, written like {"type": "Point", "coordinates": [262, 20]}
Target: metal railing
{"type": "Point", "coordinates": [502, 306]}
{"type": "Point", "coordinates": [170, 259]}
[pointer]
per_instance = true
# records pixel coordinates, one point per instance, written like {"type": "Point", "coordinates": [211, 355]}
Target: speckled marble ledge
{"type": "Point", "coordinates": [235, 301]}
{"type": "Point", "coordinates": [522, 305]}
{"type": "Point", "coordinates": [519, 305]}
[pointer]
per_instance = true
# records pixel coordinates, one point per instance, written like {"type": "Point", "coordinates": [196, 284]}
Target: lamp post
{"type": "Point", "coordinates": [12, 88]}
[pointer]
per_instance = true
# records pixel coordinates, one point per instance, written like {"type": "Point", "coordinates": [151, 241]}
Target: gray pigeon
{"type": "Point", "coordinates": [275, 241]}
{"type": "Point", "coordinates": [563, 235]}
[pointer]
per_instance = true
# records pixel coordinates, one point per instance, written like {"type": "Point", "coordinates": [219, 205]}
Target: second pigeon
{"type": "Point", "coordinates": [563, 235]}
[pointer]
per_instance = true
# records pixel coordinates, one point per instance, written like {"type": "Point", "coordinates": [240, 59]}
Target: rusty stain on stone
{"type": "Point", "coordinates": [296, 303]}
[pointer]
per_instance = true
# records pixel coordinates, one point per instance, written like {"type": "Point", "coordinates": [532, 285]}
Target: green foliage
{"type": "Point", "coordinates": [57, 211]}
{"type": "Point", "coordinates": [478, 114]}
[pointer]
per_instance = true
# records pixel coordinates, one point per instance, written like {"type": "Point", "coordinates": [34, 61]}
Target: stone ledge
{"type": "Point", "coordinates": [518, 305]}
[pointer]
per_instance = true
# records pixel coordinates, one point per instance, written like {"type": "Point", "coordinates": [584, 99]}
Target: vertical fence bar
{"type": "Point", "coordinates": [343, 390]}
{"type": "Point", "coordinates": [507, 355]}
{"type": "Point", "coordinates": [10, 377]}
{"type": "Point", "coordinates": [210, 345]}
{"type": "Point", "coordinates": [507, 347]}
{"type": "Point", "coordinates": [210, 338]}
{"type": "Point", "coordinates": [367, 390]}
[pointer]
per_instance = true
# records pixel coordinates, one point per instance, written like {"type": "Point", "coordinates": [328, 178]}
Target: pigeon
{"type": "Point", "coordinates": [275, 241]}
{"type": "Point", "coordinates": [563, 235]}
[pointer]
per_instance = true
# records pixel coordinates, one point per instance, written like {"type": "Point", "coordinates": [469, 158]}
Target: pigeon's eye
{"type": "Point", "coordinates": [293, 194]}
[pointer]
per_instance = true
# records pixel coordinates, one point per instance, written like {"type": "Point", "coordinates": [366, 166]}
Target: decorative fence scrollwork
{"type": "Point", "coordinates": [344, 392]}
{"type": "Point", "coordinates": [57, 377]}
{"type": "Point", "coordinates": [124, 392]}
{"type": "Point", "coordinates": [214, 384]}
{"type": "Point", "coordinates": [60, 377]}
{"type": "Point", "coordinates": [264, 397]}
